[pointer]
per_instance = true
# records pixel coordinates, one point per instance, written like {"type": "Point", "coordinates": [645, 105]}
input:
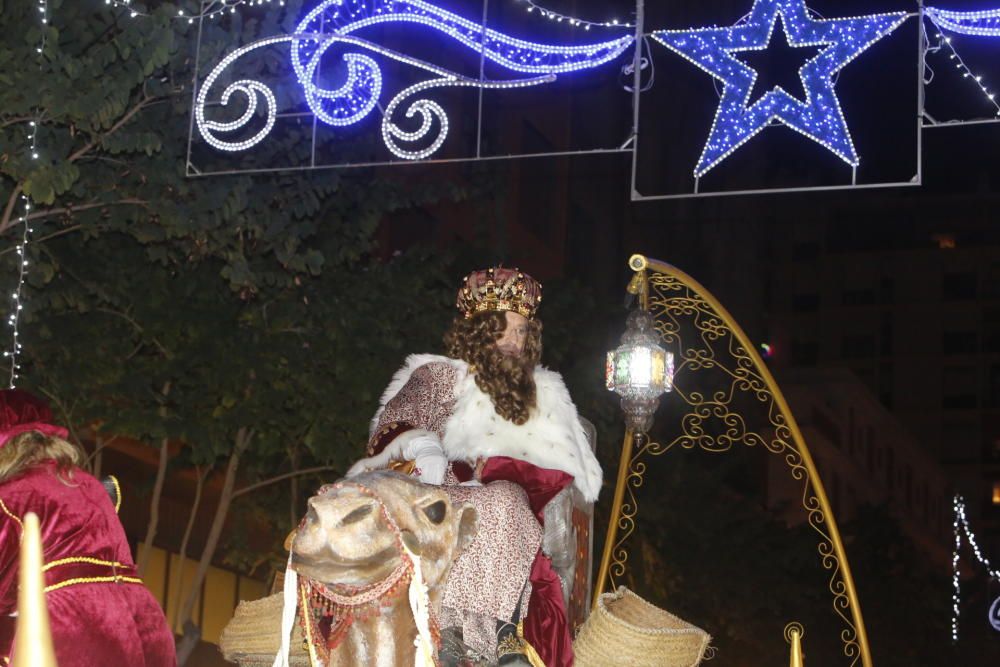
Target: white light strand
{"type": "Point", "coordinates": [945, 41]}
{"type": "Point", "coordinates": [209, 10]}
{"type": "Point", "coordinates": [17, 301]}
{"type": "Point", "coordinates": [960, 524]}
{"type": "Point", "coordinates": [533, 7]}
{"type": "Point", "coordinates": [16, 306]}
{"type": "Point", "coordinates": [43, 10]}
{"type": "Point", "coordinates": [979, 23]}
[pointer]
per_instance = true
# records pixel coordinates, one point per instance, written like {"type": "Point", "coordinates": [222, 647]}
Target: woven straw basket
{"type": "Point", "coordinates": [253, 636]}
{"type": "Point", "coordinates": [627, 630]}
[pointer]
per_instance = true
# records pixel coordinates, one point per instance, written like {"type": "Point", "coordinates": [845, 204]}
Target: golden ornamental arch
{"type": "Point", "coordinates": [714, 421]}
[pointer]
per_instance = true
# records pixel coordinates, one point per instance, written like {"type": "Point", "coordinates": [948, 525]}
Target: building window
{"type": "Point", "coordinates": [805, 303]}
{"type": "Point", "coordinates": [885, 384]}
{"type": "Point", "coordinates": [827, 426]}
{"type": "Point", "coordinates": [890, 470]}
{"type": "Point", "coordinates": [806, 250]}
{"type": "Point", "coordinates": [994, 449]}
{"type": "Point", "coordinates": [805, 353]}
{"type": "Point", "coordinates": [958, 388]}
{"type": "Point", "coordinates": [959, 286]}
{"type": "Point", "coordinates": [858, 297]}
{"type": "Point", "coordinates": [944, 241]}
{"type": "Point", "coordinates": [886, 290]}
{"type": "Point", "coordinates": [870, 448]}
{"type": "Point", "coordinates": [993, 386]}
{"type": "Point", "coordinates": [858, 346]}
{"type": "Point", "coordinates": [991, 282]}
{"type": "Point", "coordinates": [885, 334]}
{"type": "Point", "coordinates": [959, 342]}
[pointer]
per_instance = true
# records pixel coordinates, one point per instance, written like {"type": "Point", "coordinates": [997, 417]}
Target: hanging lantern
{"type": "Point", "coordinates": [639, 370]}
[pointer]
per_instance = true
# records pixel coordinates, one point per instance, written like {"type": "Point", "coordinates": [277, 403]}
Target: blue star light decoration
{"type": "Point", "coordinates": [819, 116]}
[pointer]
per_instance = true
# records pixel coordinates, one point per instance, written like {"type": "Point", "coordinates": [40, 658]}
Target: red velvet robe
{"type": "Point", "coordinates": [93, 624]}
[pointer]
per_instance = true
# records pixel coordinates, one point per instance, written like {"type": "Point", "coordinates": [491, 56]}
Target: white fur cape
{"type": "Point", "coordinates": [551, 438]}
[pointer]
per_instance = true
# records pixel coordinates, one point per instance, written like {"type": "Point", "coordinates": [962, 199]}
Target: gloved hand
{"type": "Point", "coordinates": [423, 448]}
{"type": "Point", "coordinates": [428, 455]}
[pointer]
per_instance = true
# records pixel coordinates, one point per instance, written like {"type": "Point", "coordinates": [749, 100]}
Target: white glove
{"type": "Point", "coordinates": [428, 455]}
{"type": "Point", "coordinates": [423, 448]}
{"type": "Point", "coordinates": [392, 452]}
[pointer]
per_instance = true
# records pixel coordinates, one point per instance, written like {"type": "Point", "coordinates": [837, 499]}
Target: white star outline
{"type": "Point", "coordinates": [710, 52]}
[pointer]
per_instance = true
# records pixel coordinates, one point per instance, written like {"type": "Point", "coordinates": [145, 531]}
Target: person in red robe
{"type": "Point", "coordinates": [99, 611]}
{"type": "Point", "coordinates": [499, 431]}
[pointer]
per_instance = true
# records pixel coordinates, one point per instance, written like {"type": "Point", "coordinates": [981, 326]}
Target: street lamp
{"type": "Point", "coordinates": [639, 370]}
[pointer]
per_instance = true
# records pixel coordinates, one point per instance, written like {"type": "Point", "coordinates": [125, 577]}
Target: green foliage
{"type": "Point", "coordinates": [160, 306]}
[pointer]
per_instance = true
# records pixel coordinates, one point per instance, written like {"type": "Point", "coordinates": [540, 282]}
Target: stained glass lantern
{"type": "Point", "coordinates": [639, 370]}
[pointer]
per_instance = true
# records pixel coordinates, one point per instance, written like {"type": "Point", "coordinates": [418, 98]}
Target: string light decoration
{"type": "Point", "coordinates": [946, 42]}
{"type": "Point", "coordinates": [572, 20]}
{"type": "Point", "coordinates": [332, 23]}
{"type": "Point", "coordinates": [960, 524]}
{"type": "Point", "coordinates": [17, 301]}
{"type": "Point", "coordinates": [979, 23]}
{"type": "Point", "coordinates": [819, 116]}
{"type": "Point", "coordinates": [344, 17]}
{"type": "Point", "coordinates": [209, 10]}
{"type": "Point", "coordinates": [16, 306]}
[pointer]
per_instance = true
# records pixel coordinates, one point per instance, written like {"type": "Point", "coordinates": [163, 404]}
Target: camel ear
{"type": "Point", "coordinates": [468, 525]}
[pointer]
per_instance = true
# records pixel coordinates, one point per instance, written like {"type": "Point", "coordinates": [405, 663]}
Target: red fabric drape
{"type": "Point", "coordinates": [546, 627]}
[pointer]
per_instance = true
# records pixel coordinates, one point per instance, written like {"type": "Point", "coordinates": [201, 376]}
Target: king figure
{"type": "Point", "coordinates": [499, 431]}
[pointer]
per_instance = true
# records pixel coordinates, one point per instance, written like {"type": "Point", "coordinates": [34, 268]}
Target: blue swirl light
{"type": "Point", "coordinates": [333, 20]}
{"type": "Point", "coordinates": [818, 116]}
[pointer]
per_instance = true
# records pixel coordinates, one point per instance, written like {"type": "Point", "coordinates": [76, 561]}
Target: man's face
{"type": "Point", "coordinates": [512, 341]}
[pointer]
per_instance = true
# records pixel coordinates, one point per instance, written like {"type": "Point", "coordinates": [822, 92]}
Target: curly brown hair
{"type": "Point", "coordinates": [509, 381]}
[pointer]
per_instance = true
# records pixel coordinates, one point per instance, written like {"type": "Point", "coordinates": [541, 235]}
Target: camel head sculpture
{"type": "Point", "coordinates": [356, 552]}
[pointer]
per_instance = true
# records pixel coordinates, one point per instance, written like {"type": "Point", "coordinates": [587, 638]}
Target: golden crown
{"type": "Point", "coordinates": [501, 290]}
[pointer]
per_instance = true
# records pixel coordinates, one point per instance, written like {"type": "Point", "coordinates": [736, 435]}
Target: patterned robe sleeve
{"type": "Point", "coordinates": [425, 402]}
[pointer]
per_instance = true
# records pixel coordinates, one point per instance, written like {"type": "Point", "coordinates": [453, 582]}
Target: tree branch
{"type": "Point", "coordinates": [138, 327]}
{"type": "Point", "coordinates": [144, 102]}
{"type": "Point", "coordinates": [61, 232]}
{"type": "Point", "coordinates": [279, 478]}
{"type": "Point", "coordinates": [15, 121]}
{"type": "Point", "coordinates": [9, 208]}
{"type": "Point", "coordinates": [49, 212]}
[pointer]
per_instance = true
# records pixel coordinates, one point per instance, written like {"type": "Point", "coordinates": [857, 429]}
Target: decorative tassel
{"type": "Point", "coordinates": [289, 604]}
{"type": "Point", "coordinates": [420, 606]}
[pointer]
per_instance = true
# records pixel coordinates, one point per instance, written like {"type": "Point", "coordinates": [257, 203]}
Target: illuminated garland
{"type": "Point", "coordinates": [332, 23]}
{"type": "Point", "coordinates": [715, 50]}
{"type": "Point", "coordinates": [819, 117]}
{"type": "Point", "coordinates": [572, 20]}
{"type": "Point", "coordinates": [961, 527]}
{"type": "Point", "coordinates": [942, 23]}
{"type": "Point", "coordinates": [979, 23]}
{"type": "Point", "coordinates": [17, 300]}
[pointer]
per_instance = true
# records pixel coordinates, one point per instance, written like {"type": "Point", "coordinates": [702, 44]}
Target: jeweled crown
{"type": "Point", "coordinates": [500, 290]}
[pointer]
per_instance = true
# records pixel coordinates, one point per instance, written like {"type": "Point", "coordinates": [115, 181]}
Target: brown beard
{"type": "Point", "coordinates": [508, 380]}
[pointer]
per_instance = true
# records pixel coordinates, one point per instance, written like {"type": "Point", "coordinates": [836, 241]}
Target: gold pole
{"type": "Point", "coordinates": [640, 262]}
{"type": "Point", "coordinates": [33, 638]}
{"type": "Point", "coordinates": [795, 655]}
{"type": "Point", "coordinates": [616, 510]}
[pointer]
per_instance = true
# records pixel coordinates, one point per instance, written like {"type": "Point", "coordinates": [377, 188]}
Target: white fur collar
{"type": "Point", "coordinates": [551, 438]}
